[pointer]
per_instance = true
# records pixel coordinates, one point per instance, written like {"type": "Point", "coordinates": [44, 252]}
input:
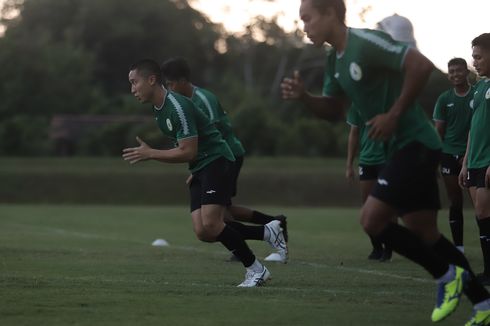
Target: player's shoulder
{"type": "Point", "coordinates": [178, 102]}
{"type": "Point", "coordinates": [377, 38]}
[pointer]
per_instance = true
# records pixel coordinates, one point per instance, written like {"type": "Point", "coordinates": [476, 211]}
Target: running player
{"type": "Point", "coordinates": [210, 159]}
{"type": "Point", "coordinates": [177, 76]}
{"type": "Point", "coordinates": [452, 117]}
{"type": "Point", "coordinates": [382, 78]}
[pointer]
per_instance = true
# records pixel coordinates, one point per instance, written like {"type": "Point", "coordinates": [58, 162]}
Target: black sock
{"type": "Point", "coordinates": [484, 226]}
{"type": "Point", "coordinates": [456, 222]}
{"type": "Point", "coordinates": [377, 244]}
{"type": "Point", "coordinates": [234, 242]}
{"type": "Point", "coordinates": [407, 244]}
{"type": "Point", "coordinates": [248, 232]}
{"type": "Point", "coordinates": [261, 218]}
{"type": "Point", "coordinates": [473, 289]}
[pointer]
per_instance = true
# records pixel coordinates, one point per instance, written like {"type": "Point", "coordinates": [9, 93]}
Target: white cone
{"type": "Point", "coordinates": [160, 243]}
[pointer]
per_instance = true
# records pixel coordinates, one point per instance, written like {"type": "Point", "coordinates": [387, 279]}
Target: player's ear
{"type": "Point", "coordinates": [152, 79]}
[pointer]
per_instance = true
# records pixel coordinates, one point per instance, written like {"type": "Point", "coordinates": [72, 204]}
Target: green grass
{"type": "Point", "coordinates": [94, 265]}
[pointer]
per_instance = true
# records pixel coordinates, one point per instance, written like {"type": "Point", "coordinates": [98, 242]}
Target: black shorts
{"type": "Point", "coordinates": [476, 177]}
{"type": "Point", "coordinates": [451, 164]}
{"type": "Point", "coordinates": [369, 172]}
{"type": "Point", "coordinates": [211, 184]}
{"type": "Point", "coordinates": [408, 182]}
{"type": "Point", "coordinates": [235, 173]}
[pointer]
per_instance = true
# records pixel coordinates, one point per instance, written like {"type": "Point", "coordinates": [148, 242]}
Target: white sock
{"type": "Point", "coordinates": [460, 248]}
{"type": "Point", "coordinates": [448, 276]}
{"type": "Point", "coordinates": [267, 233]}
{"type": "Point", "coordinates": [256, 266]}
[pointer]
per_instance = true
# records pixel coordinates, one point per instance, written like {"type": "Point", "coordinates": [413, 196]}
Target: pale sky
{"type": "Point", "coordinates": [443, 28]}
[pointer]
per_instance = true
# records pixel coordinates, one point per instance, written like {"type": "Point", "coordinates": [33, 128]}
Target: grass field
{"type": "Point", "coordinates": [94, 265]}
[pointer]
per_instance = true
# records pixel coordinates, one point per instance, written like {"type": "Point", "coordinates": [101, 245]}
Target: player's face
{"type": "Point", "coordinates": [317, 25]}
{"type": "Point", "coordinates": [141, 87]}
{"type": "Point", "coordinates": [457, 75]}
{"type": "Point", "coordinates": [481, 61]}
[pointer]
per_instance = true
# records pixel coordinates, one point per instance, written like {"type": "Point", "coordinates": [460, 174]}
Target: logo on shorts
{"type": "Point", "coordinates": [446, 171]}
{"type": "Point", "coordinates": [382, 182]}
{"type": "Point", "coordinates": [211, 192]}
{"type": "Point", "coordinates": [169, 125]}
{"type": "Point", "coordinates": [487, 94]}
{"type": "Point", "coordinates": [361, 171]}
{"type": "Point", "coordinates": [355, 71]}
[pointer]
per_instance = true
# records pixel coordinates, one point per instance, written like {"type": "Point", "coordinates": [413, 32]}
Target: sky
{"type": "Point", "coordinates": [443, 28]}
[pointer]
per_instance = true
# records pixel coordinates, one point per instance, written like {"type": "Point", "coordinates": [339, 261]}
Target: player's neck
{"type": "Point", "coordinates": [159, 97]}
{"type": "Point", "coordinates": [339, 38]}
{"type": "Point", "coordinates": [189, 90]}
{"type": "Point", "coordinates": [462, 89]}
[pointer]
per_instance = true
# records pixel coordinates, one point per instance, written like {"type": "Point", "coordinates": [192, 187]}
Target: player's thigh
{"type": "Point", "coordinates": [376, 215]}
{"type": "Point", "coordinates": [366, 187]}
{"type": "Point", "coordinates": [472, 193]}
{"type": "Point", "coordinates": [197, 225]}
{"type": "Point", "coordinates": [454, 191]}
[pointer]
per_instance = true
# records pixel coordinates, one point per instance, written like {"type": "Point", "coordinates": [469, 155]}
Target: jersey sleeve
{"type": "Point", "coordinates": [184, 120]}
{"type": "Point", "coordinates": [331, 86]}
{"type": "Point", "coordinates": [440, 109]}
{"type": "Point", "coordinates": [380, 50]}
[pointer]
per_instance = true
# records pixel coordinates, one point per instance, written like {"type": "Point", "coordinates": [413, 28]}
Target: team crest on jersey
{"type": "Point", "coordinates": [169, 125]}
{"type": "Point", "coordinates": [472, 102]}
{"type": "Point", "coordinates": [355, 71]}
{"type": "Point", "coordinates": [487, 94]}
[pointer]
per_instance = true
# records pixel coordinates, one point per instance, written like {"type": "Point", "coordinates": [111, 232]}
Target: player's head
{"type": "Point", "coordinates": [457, 71]}
{"type": "Point", "coordinates": [176, 74]}
{"type": "Point", "coordinates": [144, 77]}
{"type": "Point", "coordinates": [481, 54]}
{"type": "Point", "coordinates": [320, 18]}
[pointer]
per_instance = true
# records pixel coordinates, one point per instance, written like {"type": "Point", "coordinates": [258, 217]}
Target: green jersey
{"type": "Point", "coordinates": [455, 111]}
{"type": "Point", "coordinates": [371, 152]}
{"type": "Point", "coordinates": [208, 103]}
{"type": "Point", "coordinates": [479, 146]}
{"type": "Point", "coordinates": [369, 72]}
{"type": "Point", "coordinates": [178, 118]}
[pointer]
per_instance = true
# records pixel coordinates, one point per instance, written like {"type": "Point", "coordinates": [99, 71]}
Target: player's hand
{"type": "Point", "coordinates": [463, 177]}
{"type": "Point", "coordinates": [382, 127]}
{"type": "Point", "coordinates": [189, 180]}
{"type": "Point", "coordinates": [137, 154]}
{"type": "Point", "coordinates": [349, 174]}
{"type": "Point", "coordinates": [292, 88]}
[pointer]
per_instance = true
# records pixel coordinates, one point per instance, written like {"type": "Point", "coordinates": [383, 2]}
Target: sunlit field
{"type": "Point", "coordinates": [94, 265]}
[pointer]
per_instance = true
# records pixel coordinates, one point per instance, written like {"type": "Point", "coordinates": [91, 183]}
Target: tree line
{"type": "Point", "coordinates": [71, 57]}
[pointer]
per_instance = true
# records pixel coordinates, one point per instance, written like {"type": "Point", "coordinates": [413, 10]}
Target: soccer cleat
{"type": "Point", "coordinates": [276, 239]}
{"type": "Point", "coordinates": [479, 318]}
{"type": "Point", "coordinates": [376, 254]}
{"type": "Point", "coordinates": [276, 257]}
{"type": "Point", "coordinates": [254, 279]}
{"type": "Point", "coordinates": [386, 256]}
{"type": "Point", "coordinates": [448, 295]}
{"type": "Point", "coordinates": [284, 226]}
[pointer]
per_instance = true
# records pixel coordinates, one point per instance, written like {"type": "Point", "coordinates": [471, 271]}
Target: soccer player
{"type": "Point", "coordinates": [210, 159]}
{"type": "Point", "coordinates": [452, 117]}
{"type": "Point", "coordinates": [177, 76]}
{"type": "Point", "coordinates": [476, 164]}
{"type": "Point", "coordinates": [372, 158]}
{"type": "Point", "coordinates": [382, 78]}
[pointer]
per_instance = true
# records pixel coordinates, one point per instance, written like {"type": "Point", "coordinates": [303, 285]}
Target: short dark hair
{"type": "Point", "coordinates": [482, 41]}
{"type": "Point", "coordinates": [337, 5]}
{"type": "Point", "coordinates": [147, 68]}
{"type": "Point", "coordinates": [175, 69]}
{"type": "Point", "coordinates": [457, 62]}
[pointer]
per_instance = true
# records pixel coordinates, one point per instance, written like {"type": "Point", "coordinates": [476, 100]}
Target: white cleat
{"type": "Point", "coordinates": [254, 279]}
{"type": "Point", "coordinates": [277, 241]}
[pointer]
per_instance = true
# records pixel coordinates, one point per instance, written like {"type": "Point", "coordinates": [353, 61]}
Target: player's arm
{"type": "Point", "coordinates": [186, 151]}
{"type": "Point", "coordinates": [352, 147]}
{"type": "Point", "coordinates": [464, 167]}
{"type": "Point", "coordinates": [440, 127]}
{"type": "Point", "coordinates": [324, 107]}
{"type": "Point", "coordinates": [416, 69]}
